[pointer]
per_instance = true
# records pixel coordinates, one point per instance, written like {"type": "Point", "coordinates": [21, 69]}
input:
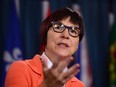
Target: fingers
{"type": "Point", "coordinates": [55, 75]}
{"type": "Point", "coordinates": [63, 64]}
{"type": "Point", "coordinates": [64, 76]}
{"type": "Point", "coordinates": [72, 71]}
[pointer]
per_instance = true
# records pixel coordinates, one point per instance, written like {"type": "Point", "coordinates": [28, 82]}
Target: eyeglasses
{"type": "Point", "coordinates": [59, 28]}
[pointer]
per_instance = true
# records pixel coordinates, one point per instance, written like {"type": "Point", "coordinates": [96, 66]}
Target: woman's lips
{"type": "Point", "coordinates": [63, 44]}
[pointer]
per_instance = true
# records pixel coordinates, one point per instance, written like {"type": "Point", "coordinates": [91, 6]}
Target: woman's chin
{"type": "Point", "coordinates": [63, 55]}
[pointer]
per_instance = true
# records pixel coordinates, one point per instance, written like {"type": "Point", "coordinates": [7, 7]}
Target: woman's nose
{"type": "Point", "coordinates": [65, 34]}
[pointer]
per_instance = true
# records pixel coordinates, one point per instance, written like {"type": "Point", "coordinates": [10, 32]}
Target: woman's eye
{"type": "Point", "coordinates": [73, 31]}
{"type": "Point", "coordinates": [57, 26]}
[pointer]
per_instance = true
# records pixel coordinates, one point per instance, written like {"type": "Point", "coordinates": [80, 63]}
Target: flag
{"type": "Point", "coordinates": [13, 48]}
{"type": "Point", "coordinates": [112, 60]}
{"type": "Point", "coordinates": [46, 11]}
{"type": "Point", "coordinates": [86, 74]}
{"type": "Point", "coordinates": [82, 57]}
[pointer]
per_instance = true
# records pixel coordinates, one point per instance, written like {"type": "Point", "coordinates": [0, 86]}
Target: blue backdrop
{"type": "Point", "coordinates": [95, 14]}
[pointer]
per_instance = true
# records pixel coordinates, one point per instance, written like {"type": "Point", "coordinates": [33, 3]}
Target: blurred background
{"type": "Point", "coordinates": [20, 22]}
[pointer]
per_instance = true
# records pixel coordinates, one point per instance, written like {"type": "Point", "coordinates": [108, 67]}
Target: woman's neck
{"type": "Point", "coordinates": [53, 57]}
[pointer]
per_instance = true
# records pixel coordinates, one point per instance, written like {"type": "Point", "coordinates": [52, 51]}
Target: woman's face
{"type": "Point", "coordinates": [61, 45]}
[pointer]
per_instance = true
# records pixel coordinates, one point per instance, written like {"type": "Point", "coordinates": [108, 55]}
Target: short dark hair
{"type": "Point", "coordinates": [59, 15]}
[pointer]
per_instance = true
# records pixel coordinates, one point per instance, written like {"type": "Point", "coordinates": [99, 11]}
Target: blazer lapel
{"type": "Point", "coordinates": [35, 64]}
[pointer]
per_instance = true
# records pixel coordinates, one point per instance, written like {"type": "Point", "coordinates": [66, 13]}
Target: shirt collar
{"type": "Point", "coordinates": [48, 62]}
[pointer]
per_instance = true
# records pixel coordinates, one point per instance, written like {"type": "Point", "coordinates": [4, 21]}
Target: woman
{"type": "Point", "coordinates": [61, 33]}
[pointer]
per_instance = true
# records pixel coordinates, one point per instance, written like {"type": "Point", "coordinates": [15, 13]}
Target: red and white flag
{"type": "Point", "coordinates": [45, 9]}
{"type": "Point", "coordinates": [86, 74]}
{"type": "Point", "coordinates": [84, 60]}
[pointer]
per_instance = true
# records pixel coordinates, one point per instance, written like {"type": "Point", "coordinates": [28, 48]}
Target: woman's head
{"type": "Point", "coordinates": [60, 15]}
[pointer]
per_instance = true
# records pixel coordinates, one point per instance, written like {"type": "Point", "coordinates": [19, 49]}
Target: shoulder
{"type": "Point", "coordinates": [18, 68]}
{"type": "Point", "coordinates": [26, 68]}
{"type": "Point", "coordinates": [18, 73]}
{"type": "Point", "coordinates": [23, 73]}
{"type": "Point", "coordinates": [24, 65]}
{"type": "Point", "coordinates": [18, 64]}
